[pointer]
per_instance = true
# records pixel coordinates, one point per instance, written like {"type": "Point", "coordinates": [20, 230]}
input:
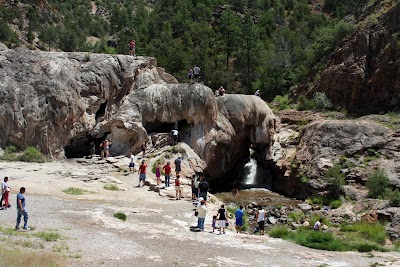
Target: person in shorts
{"type": "Point", "coordinates": [142, 173]}
{"type": "Point", "coordinates": [260, 217]}
{"type": "Point", "coordinates": [239, 214]}
{"type": "Point", "coordinates": [178, 188]}
{"type": "Point", "coordinates": [222, 217]}
{"type": "Point", "coordinates": [132, 163]}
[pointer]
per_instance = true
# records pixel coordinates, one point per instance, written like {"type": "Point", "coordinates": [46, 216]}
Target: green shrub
{"type": "Point", "coordinates": [120, 215]}
{"type": "Point", "coordinates": [368, 247]}
{"type": "Point", "coordinates": [296, 216]}
{"type": "Point", "coordinates": [279, 232]}
{"type": "Point", "coordinates": [281, 102]}
{"type": "Point", "coordinates": [377, 183]}
{"type": "Point", "coordinates": [86, 58]}
{"type": "Point", "coordinates": [394, 198]}
{"type": "Point", "coordinates": [305, 103]}
{"type": "Point", "coordinates": [48, 236]}
{"type": "Point", "coordinates": [334, 204]}
{"type": "Point", "coordinates": [32, 154]}
{"type": "Point", "coordinates": [374, 232]}
{"type": "Point", "coordinates": [319, 240]}
{"type": "Point", "coordinates": [10, 149]}
{"type": "Point", "coordinates": [322, 101]}
{"type": "Point", "coordinates": [111, 187]}
{"type": "Point", "coordinates": [177, 149]}
{"type": "Point", "coordinates": [74, 191]}
{"type": "Point", "coordinates": [335, 178]}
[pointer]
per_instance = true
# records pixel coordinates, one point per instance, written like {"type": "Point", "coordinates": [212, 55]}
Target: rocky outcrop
{"type": "Point", "coordinates": [302, 155]}
{"type": "Point", "coordinates": [362, 75]}
{"type": "Point", "coordinates": [60, 102]}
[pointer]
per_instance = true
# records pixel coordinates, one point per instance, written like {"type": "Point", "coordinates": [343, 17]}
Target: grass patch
{"type": "Point", "coordinates": [279, 232]}
{"type": "Point", "coordinates": [111, 187]}
{"type": "Point", "coordinates": [120, 215]}
{"type": "Point", "coordinates": [32, 154]}
{"type": "Point", "coordinates": [21, 258]}
{"type": "Point", "coordinates": [331, 202]}
{"type": "Point", "coordinates": [74, 191]}
{"type": "Point", "coordinates": [48, 236]}
{"type": "Point", "coordinates": [28, 244]}
{"type": "Point", "coordinates": [60, 247]}
{"type": "Point", "coordinates": [177, 149]}
{"type": "Point", "coordinates": [296, 216]}
{"type": "Point", "coordinates": [373, 232]}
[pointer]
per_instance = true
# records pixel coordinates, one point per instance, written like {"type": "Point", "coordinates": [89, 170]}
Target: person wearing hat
{"type": "Point", "coordinates": [142, 173]}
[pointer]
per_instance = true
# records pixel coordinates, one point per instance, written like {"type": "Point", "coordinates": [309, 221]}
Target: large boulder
{"type": "Point", "coordinates": [59, 102]}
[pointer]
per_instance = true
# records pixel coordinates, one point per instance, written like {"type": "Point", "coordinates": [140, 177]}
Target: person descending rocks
{"type": "Point", "coordinates": [132, 48]}
{"type": "Point", "coordinates": [257, 93]}
{"type": "Point", "coordinates": [21, 210]}
{"type": "Point", "coordinates": [178, 163]}
{"type": "Point", "coordinates": [260, 218]}
{"type": "Point", "coordinates": [142, 173]}
{"type": "Point", "coordinates": [175, 134]}
{"type": "Point", "coordinates": [190, 75]}
{"type": "Point", "coordinates": [196, 73]}
{"type": "Point", "coordinates": [167, 171]}
{"type": "Point", "coordinates": [143, 148]}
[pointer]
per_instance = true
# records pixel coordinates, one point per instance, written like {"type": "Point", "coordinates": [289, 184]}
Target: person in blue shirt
{"type": "Point", "coordinates": [21, 209]}
{"type": "Point", "coordinates": [239, 219]}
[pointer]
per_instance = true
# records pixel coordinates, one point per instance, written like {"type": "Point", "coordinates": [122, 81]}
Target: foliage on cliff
{"type": "Point", "coordinates": [244, 45]}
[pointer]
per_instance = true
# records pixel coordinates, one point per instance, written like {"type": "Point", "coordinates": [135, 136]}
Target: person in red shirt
{"type": "Point", "coordinates": [167, 171]}
{"type": "Point", "coordinates": [142, 173]}
{"type": "Point", "coordinates": [178, 187]}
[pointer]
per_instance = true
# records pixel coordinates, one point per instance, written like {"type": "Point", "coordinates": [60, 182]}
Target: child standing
{"type": "Point", "coordinates": [158, 172]}
{"type": "Point", "coordinates": [214, 222]}
{"type": "Point", "coordinates": [132, 163]}
{"type": "Point", "coordinates": [5, 192]}
{"type": "Point", "coordinates": [178, 188]}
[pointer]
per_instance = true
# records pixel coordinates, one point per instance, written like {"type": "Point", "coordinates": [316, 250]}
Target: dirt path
{"type": "Point", "coordinates": [156, 232]}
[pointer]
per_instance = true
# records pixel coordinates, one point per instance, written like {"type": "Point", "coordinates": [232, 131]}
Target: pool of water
{"type": "Point", "coordinates": [261, 196]}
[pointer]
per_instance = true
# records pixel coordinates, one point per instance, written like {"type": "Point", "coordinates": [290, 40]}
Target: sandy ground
{"type": "Point", "coordinates": [157, 230]}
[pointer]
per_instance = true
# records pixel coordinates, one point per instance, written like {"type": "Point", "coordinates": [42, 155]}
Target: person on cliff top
{"type": "Point", "coordinates": [142, 173]}
{"type": "Point", "coordinates": [196, 73]}
{"type": "Point", "coordinates": [132, 48]}
{"type": "Point", "coordinates": [21, 210]}
{"type": "Point", "coordinates": [132, 163]}
{"type": "Point", "coordinates": [257, 94]}
{"type": "Point", "coordinates": [167, 171]}
{"type": "Point", "coordinates": [178, 163]}
{"type": "Point", "coordinates": [221, 91]}
{"type": "Point", "coordinates": [178, 189]}
{"type": "Point", "coordinates": [190, 75]}
{"type": "Point", "coordinates": [260, 218]}
{"type": "Point", "coordinates": [239, 214]}
{"type": "Point", "coordinates": [158, 172]}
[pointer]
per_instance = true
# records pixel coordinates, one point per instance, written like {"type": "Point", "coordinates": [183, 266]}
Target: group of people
{"type": "Point", "coordinates": [220, 91]}
{"type": "Point", "coordinates": [21, 207]}
{"type": "Point", "coordinates": [194, 74]}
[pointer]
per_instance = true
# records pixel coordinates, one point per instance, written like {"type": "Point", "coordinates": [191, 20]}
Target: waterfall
{"type": "Point", "coordinates": [250, 172]}
{"type": "Point", "coordinates": [253, 175]}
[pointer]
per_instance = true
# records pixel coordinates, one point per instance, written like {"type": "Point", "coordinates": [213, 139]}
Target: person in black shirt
{"type": "Point", "coordinates": [203, 188]}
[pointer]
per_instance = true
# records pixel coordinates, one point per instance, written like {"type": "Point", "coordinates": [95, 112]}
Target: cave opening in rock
{"type": "Point", "coordinates": [158, 127]}
{"type": "Point", "coordinates": [79, 146]}
{"type": "Point", "coordinates": [101, 112]}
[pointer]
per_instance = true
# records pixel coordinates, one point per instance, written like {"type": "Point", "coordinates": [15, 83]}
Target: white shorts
{"type": "Point", "coordinates": [221, 223]}
{"type": "Point", "coordinates": [177, 188]}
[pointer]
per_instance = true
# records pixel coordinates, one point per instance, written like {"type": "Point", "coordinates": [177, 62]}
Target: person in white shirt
{"type": "Point", "coordinates": [260, 217]}
{"type": "Point", "coordinates": [132, 163]}
{"type": "Point", "coordinates": [317, 225]}
{"type": "Point", "coordinates": [201, 214]}
{"type": "Point", "coordinates": [175, 136]}
{"type": "Point", "coordinates": [5, 192]}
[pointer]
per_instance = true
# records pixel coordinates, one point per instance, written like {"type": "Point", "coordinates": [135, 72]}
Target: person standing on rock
{"type": "Point", "coordinates": [260, 218]}
{"type": "Point", "coordinates": [5, 194]}
{"type": "Point", "coordinates": [167, 171]}
{"type": "Point", "coordinates": [239, 214]}
{"type": "Point", "coordinates": [178, 163]}
{"type": "Point", "coordinates": [178, 188]}
{"type": "Point", "coordinates": [196, 73]}
{"type": "Point", "coordinates": [158, 172]}
{"type": "Point", "coordinates": [203, 188]}
{"type": "Point", "coordinates": [257, 94]}
{"type": "Point", "coordinates": [143, 147]}
{"type": "Point", "coordinates": [201, 215]}
{"type": "Point", "coordinates": [175, 134]}
{"type": "Point", "coordinates": [21, 209]}
{"type": "Point", "coordinates": [92, 149]}
{"type": "Point", "coordinates": [190, 75]}
{"type": "Point", "coordinates": [132, 163]}
{"type": "Point", "coordinates": [132, 48]}
{"type": "Point", "coordinates": [142, 173]}
{"type": "Point", "coordinates": [222, 217]}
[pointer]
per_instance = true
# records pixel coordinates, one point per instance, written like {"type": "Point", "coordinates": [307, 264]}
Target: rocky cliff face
{"type": "Point", "coordinates": [363, 74]}
{"type": "Point", "coordinates": [60, 102]}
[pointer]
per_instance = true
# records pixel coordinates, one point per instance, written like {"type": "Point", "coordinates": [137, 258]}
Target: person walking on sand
{"type": "Point", "coordinates": [222, 217]}
{"type": "Point", "coordinates": [5, 194]}
{"type": "Point", "coordinates": [178, 188]}
{"type": "Point", "coordinates": [132, 48]}
{"type": "Point", "coordinates": [142, 173]}
{"type": "Point", "coordinates": [21, 209]}
{"type": "Point", "coordinates": [167, 171]}
{"type": "Point", "coordinates": [260, 218]}
{"type": "Point", "coordinates": [239, 214]}
{"type": "Point", "coordinates": [201, 214]}
{"type": "Point", "coordinates": [158, 172]}
{"type": "Point", "coordinates": [132, 163]}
